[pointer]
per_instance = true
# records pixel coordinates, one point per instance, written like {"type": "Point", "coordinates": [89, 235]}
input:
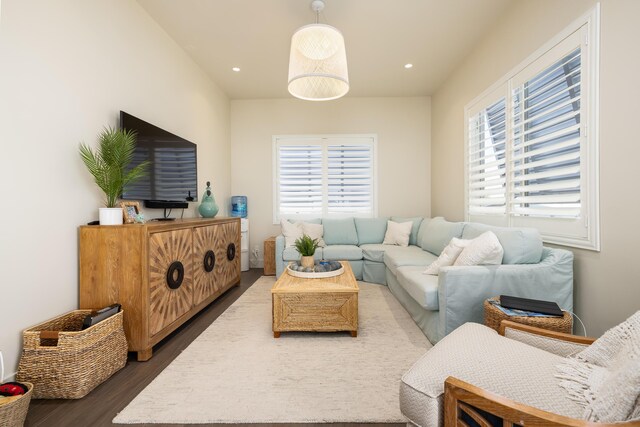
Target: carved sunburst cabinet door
{"type": "Point", "coordinates": [227, 250]}
{"type": "Point", "coordinates": [205, 260]}
{"type": "Point", "coordinates": [170, 277]}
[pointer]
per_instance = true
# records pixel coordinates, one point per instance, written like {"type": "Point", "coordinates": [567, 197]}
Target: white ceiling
{"type": "Point", "coordinates": [380, 35]}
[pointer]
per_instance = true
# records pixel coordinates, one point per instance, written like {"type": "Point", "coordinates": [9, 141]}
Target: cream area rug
{"type": "Point", "coordinates": [236, 372]}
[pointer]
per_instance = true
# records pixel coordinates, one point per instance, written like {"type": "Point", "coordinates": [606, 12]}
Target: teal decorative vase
{"type": "Point", "coordinates": [208, 207]}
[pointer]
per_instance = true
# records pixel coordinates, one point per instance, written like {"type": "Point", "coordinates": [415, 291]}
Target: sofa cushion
{"type": "Point", "coordinates": [373, 252]}
{"type": "Point", "coordinates": [399, 256]}
{"type": "Point", "coordinates": [521, 245]}
{"type": "Point", "coordinates": [413, 239]}
{"type": "Point", "coordinates": [370, 230]}
{"type": "Point", "coordinates": [342, 252]}
{"type": "Point", "coordinates": [340, 231]}
{"type": "Point", "coordinates": [422, 287]}
{"type": "Point", "coordinates": [472, 354]}
{"type": "Point", "coordinates": [422, 231]}
{"type": "Point", "coordinates": [291, 254]}
{"type": "Point", "coordinates": [439, 233]}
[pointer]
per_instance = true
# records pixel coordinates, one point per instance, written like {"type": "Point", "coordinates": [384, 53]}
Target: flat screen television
{"type": "Point", "coordinates": [172, 180]}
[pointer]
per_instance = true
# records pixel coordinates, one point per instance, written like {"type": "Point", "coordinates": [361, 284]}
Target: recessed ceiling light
{"type": "Point", "coordinates": [236, 69]}
{"type": "Point", "coordinates": [407, 66]}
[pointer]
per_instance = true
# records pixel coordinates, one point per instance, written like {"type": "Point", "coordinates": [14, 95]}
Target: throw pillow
{"type": "Point", "coordinates": [315, 231]}
{"type": "Point", "coordinates": [615, 398]}
{"type": "Point", "coordinates": [291, 232]}
{"type": "Point", "coordinates": [606, 349]}
{"type": "Point", "coordinates": [448, 256]}
{"type": "Point", "coordinates": [483, 250]}
{"type": "Point", "coordinates": [604, 378]}
{"type": "Point", "coordinates": [398, 233]}
{"type": "Point", "coordinates": [417, 221]}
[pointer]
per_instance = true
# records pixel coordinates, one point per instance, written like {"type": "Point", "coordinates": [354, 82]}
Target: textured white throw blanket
{"type": "Point", "coordinates": [605, 377]}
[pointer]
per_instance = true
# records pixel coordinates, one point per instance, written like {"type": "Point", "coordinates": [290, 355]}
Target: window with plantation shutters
{"type": "Point", "coordinates": [545, 159]}
{"type": "Point", "coordinates": [487, 160]}
{"type": "Point", "coordinates": [350, 179]}
{"type": "Point", "coordinates": [300, 180]}
{"type": "Point", "coordinates": [324, 176]}
{"type": "Point", "coordinates": [531, 143]}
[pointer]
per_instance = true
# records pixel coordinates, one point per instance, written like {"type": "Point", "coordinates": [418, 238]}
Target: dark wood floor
{"type": "Point", "coordinates": [100, 406]}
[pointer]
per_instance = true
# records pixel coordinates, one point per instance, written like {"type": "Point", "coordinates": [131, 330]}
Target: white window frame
{"type": "Point", "coordinates": [561, 231]}
{"type": "Point", "coordinates": [327, 139]}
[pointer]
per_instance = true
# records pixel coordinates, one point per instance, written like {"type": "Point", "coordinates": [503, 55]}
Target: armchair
{"type": "Point", "coordinates": [477, 377]}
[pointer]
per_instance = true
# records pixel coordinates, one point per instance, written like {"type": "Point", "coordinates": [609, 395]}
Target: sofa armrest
{"type": "Point", "coordinates": [554, 342]}
{"type": "Point", "coordinates": [279, 250]}
{"type": "Point", "coordinates": [462, 290]}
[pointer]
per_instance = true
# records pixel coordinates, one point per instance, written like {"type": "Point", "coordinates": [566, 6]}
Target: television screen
{"type": "Point", "coordinates": [172, 174]}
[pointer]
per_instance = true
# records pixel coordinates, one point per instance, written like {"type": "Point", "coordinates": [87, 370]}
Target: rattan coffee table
{"type": "Point", "coordinates": [319, 305]}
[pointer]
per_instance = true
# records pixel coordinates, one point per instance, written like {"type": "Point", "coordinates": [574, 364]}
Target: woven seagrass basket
{"type": "Point", "coordinates": [493, 316]}
{"type": "Point", "coordinates": [13, 414]}
{"type": "Point", "coordinates": [64, 362]}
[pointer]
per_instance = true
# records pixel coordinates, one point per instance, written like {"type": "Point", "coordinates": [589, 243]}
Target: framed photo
{"type": "Point", "coordinates": [129, 211]}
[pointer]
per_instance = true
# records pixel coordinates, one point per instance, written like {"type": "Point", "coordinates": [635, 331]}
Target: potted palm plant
{"type": "Point", "coordinates": [306, 246]}
{"type": "Point", "coordinates": [109, 165]}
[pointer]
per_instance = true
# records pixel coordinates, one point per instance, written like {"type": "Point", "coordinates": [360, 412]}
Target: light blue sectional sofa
{"type": "Point", "coordinates": [439, 304]}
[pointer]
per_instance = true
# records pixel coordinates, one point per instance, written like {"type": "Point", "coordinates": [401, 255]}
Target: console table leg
{"type": "Point", "coordinates": [276, 334]}
{"type": "Point", "coordinates": [354, 333]}
{"type": "Point", "coordinates": [145, 355]}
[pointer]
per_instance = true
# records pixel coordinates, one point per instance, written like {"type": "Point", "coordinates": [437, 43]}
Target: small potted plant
{"type": "Point", "coordinates": [306, 246]}
{"type": "Point", "coordinates": [109, 166]}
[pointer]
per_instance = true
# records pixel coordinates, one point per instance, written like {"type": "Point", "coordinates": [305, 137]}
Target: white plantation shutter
{"type": "Point", "coordinates": [545, 159]}
{"type": "Point", "coordinates": [350, 179]}
{"type": "Point", "coordinates": [531, 143]}
{"type": "Point", "coordinates": [324, 177]}
{"type": "Point", "coordinates": [300, 179]}
{"type": "Point", "coordinates": [486, 161]}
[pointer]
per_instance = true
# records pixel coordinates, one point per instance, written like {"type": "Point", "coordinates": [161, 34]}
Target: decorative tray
{"type": "Point", "coordinates": [320, 270]}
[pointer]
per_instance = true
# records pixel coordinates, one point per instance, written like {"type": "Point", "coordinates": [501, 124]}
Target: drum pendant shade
{"type": "Point", "coordinates": [318, 63]}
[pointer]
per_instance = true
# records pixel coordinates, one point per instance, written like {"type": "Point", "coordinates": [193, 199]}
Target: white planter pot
{"type": "Point", "coordinates": [110, 216]}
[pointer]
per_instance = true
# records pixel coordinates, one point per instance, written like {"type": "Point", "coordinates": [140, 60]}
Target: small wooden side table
{"type": "Point", "coordinates": [270, 256]}
{"type": "Point", "coordinates": [493, 316]}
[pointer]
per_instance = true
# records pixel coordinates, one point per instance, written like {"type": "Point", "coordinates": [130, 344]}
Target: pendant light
{"type": "Point", "coordinates": [318, 61]}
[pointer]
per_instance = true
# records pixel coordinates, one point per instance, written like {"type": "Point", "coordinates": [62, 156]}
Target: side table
{"type": "Point", "coordinates": [270, 256]}
{"type": "Point", "coordinates": [493, 316]}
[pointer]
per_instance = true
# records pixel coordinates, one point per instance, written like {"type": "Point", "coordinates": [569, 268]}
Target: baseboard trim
{"type": "Point", "coordinates": [10, 377]}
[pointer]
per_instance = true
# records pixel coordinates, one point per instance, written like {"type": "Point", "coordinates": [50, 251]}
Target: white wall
{"type": "Point", "coordinates": [404, 150]}
{"type": "Point", "coordinates": [68, 67]}
{"type": "Point", "coordinates": [607, 283]}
